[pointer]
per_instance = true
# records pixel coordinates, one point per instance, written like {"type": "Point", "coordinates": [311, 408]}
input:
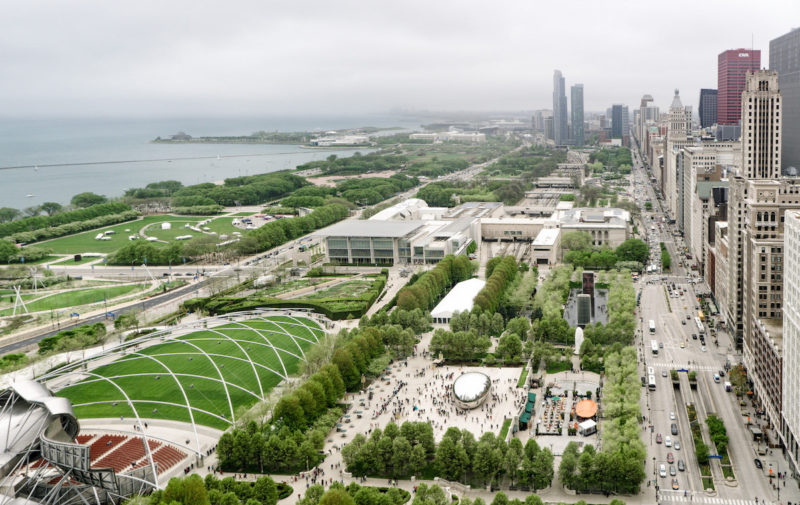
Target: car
{"type": "Point", "coordinates": [672, 470]}
{"type": "Point", "coordinates": [683, 322]}
{"type": "Point", "coordinates": [683, 345]}
{"type": "Point", "coordinates": [758, 463]}
{"type": "Point", "coordinates": [703, 348]}
{"type": "Point", "coordinates": [670, 458]}
{"type": "Point", "coordinates": [675, 484]}
{"type": "Point", "coordinates": [668, 441]}
{"type": "Point", "coordinates": [672, 416]}
{"type": "Point", "coordinates": [688, 316]}
{"type": "Point", "coordinates": [694, 336]}
{"type": "Point", "coordinates": [661, 345]}
{"type": "Point", "coordinates": [674, 428]}
{"type": "Point", "coordinates": [658, 438]}
{"type": "Point", "coordinates": [663, 373]}
{"type": "Point", "coordinates": [722, 373]}
{"type": "Point", "coordinates": [681, 466]}
{"type": "Point", "coordinates": [677, 445]}
{"type": "Point", "coordinates": [662, 470]}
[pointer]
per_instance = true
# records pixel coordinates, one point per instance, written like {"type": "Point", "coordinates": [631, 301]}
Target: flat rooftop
{"type": "Point", "coordinates": [370, 228]}
{"type": "Point", "coordinates": [546, 237]}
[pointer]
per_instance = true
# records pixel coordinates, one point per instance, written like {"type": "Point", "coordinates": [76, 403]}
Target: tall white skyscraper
{"type": "Point", "coordinates": [560, 126]}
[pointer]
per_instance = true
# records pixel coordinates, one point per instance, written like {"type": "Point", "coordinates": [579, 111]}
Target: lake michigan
{"type": "Point", "coordinates": [88, 144]}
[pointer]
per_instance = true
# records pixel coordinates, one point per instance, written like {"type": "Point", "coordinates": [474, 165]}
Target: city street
{"type": "Point", "coordinates": [669, 299]}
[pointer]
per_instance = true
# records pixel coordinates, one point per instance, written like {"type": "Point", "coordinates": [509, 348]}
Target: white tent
{"type": "Point", "coordinates": [459, 299]}
{"type": "Point", "coordinates": [587, 428]}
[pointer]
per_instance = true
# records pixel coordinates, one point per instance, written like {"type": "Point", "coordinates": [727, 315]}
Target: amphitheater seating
{"type": "Point", "coordinates": [126, 455]}
{"type": "Point", "coordinates": [166, 457]}
{"type": "Point", "coordinates": [104, 444]}
{"type": "Point", "coordinates": [83, 439]}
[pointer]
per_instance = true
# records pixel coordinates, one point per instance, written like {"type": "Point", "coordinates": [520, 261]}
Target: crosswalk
{"type": "Point", "coordinates": [678, 497]}
{"type": "Point", "coordinates": [677, 366]}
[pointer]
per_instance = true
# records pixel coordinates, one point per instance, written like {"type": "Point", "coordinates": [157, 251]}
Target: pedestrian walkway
{"type": "Point", "coordinates": [678, 497]}
{"type": "Point", "coordinates": [678, 366]}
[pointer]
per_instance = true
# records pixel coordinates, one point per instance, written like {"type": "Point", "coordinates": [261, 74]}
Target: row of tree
{"type": "Point", "coordinates": [391, 452]}
{"type": "Point", "coordinates": [500, 272]}
{"type": "Point", "coordinates": [193, 490]}
{"type": "Point", "coordinates": [74, 227]}
{"type": "Point", "coordinates": [278, 232]}
{"type": "Point", "coordinates": [246, 190]}
{"type": "Point", "coordinates": [274, 449]}
{"type": "Point", "coordinates": [408, 450]}
{"type": "Point", "coordinates": [431, 285]}
{"type": "Point", "coordinates": [619, 466]}
{"type": "Point", "coordinates": [579, 251]}
{"type": "Point", "coordinates": [34, 223]}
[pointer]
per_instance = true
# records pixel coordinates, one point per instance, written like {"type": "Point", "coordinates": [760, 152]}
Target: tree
{"type": "Point", "coordinates": [542, 469]}
{"type": "Point", "coordinates": [50, 207]}
{"type": "Point", "coordinates": [87, 199]}
{"type": "Point", "coordinates": [8, 214]}
{"type": "Point", "coordinates": [336, 497]}
{"type": "Point", "coordinates": [265, 491]}
{"type": "Point", "coordinates": [417, 460]}
{"type": "Point", "coordinates": [633, 249]}
{"type": "Point", "coordinates": [509, 348]}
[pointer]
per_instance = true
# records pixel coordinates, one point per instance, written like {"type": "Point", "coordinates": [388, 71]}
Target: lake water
{"type": "Point", "coordinates": [89, 145]}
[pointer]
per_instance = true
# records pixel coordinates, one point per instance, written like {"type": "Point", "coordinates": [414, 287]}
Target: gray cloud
{"type": "Point", "coordinates": [256, 57]}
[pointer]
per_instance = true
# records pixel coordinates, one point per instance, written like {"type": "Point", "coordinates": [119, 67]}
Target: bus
{"type": "Point", "coordinates": [700, 327]}
{"type": "Point", "coordinates": [654, 346]}
{"type": "Point", "coordinates": [651, 382]}
{"type": "Point", "coordinates": [652, 326]}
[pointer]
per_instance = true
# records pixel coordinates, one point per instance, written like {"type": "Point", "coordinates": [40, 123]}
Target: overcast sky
{"type": "Point", "coordinates": [109, 58]}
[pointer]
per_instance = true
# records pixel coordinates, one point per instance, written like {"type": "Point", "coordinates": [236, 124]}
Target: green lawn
{"type": "Point", "coordinates": [354, 288]}
{"type": "Point", "coordinates": [244, 214]}
{"type": "Point", "coordinates": [205, 364]}
{"type": "Point", "coordinates": [522, 376]}
{"type": "Point", "coordinates": [85, 242]}
{"type": "Point", "coordinates": [36, 262]}
{"type": "Point", "coordinates": [71, 260]}
{"type": "Point", "coordinates": [79, 297]}
{"type": "Point", "coordinates": [290, 286]}
{"type": "Point", "coordinates": [504, 429]}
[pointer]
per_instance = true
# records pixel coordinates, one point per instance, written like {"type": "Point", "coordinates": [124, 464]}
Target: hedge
{"type": "Point", "coordinates": [332, 308]}
{"type": "Point", "coordinates": [198, 210]}
{"type": "Point", "coordinates": [74, 227]}
{"type": "Point", "coordinates": [38, 222]}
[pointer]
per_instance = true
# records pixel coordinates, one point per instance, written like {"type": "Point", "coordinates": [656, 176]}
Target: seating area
{"type": "Point", "coordinates": [126, 455]}
{"type": "Point", "coordinates": [123, 453]}
{"type": "Point", "coordinates": [165, 457]}
{"type": "Point", "coordinates": [104, 444]}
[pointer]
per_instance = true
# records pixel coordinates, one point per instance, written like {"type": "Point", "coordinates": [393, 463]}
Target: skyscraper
{"type": "Point", "coordinates": [560, 128]}
{"type": "Point", "coordinates": [784, 58]}
{"type": "Point", "coordinates": [732, 67]}
{"type": "Point", "coordinates": [761, 126]}
{"type": "Point", "coordinates": [708, 107]}
{"type": "Point", "coordinates": [576, 96]}
{"type": "Point", "coordinates": [616, 121]}
{"type": "Point", "coordinates": [757, 199]}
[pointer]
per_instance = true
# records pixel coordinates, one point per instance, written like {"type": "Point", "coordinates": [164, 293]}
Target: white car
{"type": "Point", "coordinates": [672, 416]}
{"type": "Point", "coordinates": [662, 470]}
{"type": "Point", "coordinates": [667, 442]}
{"type": "Point", "coordinates": [677, 445]}
{"type": "Point", "coordinates": [703, 348]}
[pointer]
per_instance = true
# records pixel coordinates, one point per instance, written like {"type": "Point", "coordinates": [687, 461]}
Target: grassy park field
{"type": "Point", "coordinates": [76, 298]}
{"type": "Point", "coordinates": [85, 242]}
{"type": "Point", "coordinates": [215, 371]}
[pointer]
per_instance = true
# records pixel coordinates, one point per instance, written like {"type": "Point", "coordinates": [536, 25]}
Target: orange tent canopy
{"type": "Point", "coordinates": [586, 409]}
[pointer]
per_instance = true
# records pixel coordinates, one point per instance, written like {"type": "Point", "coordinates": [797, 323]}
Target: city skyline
{"type": "Point", "coordinates": [93, 59]}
